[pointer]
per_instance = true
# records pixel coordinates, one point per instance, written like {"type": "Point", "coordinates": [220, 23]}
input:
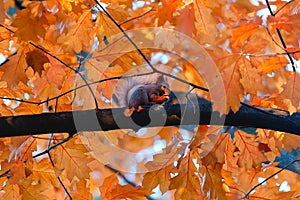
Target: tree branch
{"type": "Point", "coordinates": [105, 119]}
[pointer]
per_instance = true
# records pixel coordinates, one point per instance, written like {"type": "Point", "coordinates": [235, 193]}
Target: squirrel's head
{"type": "Point", "coordinates": [164, 88]}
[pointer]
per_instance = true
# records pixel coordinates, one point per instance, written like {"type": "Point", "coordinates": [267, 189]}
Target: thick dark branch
{"type": "Point", "coordinates": [184, 114]}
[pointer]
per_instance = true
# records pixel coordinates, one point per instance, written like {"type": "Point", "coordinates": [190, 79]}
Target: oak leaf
{"type": "Point", "coordinates": [249, 154]}
{"type": "Point", "coordinates": [205, 22]}
{"type": "Point", "coordinates": [81, 190]}
{"type": "Point", "coordinates": [185, 21]}
{"type": "Point", "coordinates": [186, 182]}
{"type": "Point", "coordinates": [36, 59]}
{"type": "Point", "coordinates": [30, 26]}
{"type": "Point", "coordinates": [33, 190]}
{"type": "Point", "coordinates": [291, 90]}
{"type": "Point", "coordinates": [111, 189]}
{"type": "Point", "coordinates": [272, 64]}
{"type": "Point", "coordinates": [212, 186]}
{"type": "Point", "coordinates": [2, 12]}
{"type": "Point", "coordinates": [159, 177]}
{"type": "Point", "coordinates": [73, 158]}
{"type": "Point", "coordinates": [11, 191]}
{"type": "Point", "coordinates": [243, 32]}
{"type": "Point", "coordinates": [14, 70]}
{"type": "Point", "coordinates": [233, 87]}
{"type": "Point", "coordinates": [43, 172]}
{"type": "Point", "coordinates": [166, 11]}
{"type": "Point", "coordinates": [249, 74]}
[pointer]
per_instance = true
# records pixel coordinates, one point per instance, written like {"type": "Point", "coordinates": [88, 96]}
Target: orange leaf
{"type": "Point", "coordinates": [33, 191]}
{"type": "Point", "coordinates": [111, 189]}
{"type": "Point", "coordinates": [159, 177]}
{"type": "Point", "coordinates": [241, 33]}
{"type": "Point", "coordinates": [80, 35]}
{"type": "Point", "coordinates": [72, 158]}
{"type": "Point", "coordinates": [213, 181]}
{"type": "Point", "coordinates": [249, 155]}
{"type": "Point", "coordinates": [165, 13]}
{"type": "Point", "coordinates": [205, 22]}
{"type": "Point", "coordinates": [14, 69]}
{"type": "Point", "coordinates": [185, 21]}
{"type": "Point", "coordinates": [81, 191]}
{"type": "Point", "coordinates": [43, 171]}
{"type": "Point", "coordinates": [286, 22]}
{"type": "Point", "coordinates": [2, 12]}
{"type": "Point", "coordinates": [186, 182]}
{"type": "Point", "coordinates": [30, 25]}
{"type": "Point", "coordinates": [233, 87]}
{"type": "Point", "coordinates": [11, 191]}
{"type": "Point", "coordinates": [272, 64]}
{"type": "Point", "coordinates": [291, 90]}
{"type": "Point", "coordinates": [250, 79]}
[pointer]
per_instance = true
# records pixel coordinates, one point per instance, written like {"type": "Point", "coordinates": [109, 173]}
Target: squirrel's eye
{"type": "Point", "coordinates": [164, 86]}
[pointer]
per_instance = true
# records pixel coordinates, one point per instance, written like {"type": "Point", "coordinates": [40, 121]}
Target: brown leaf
{"type": "Point", "coordinates": [36, 59]}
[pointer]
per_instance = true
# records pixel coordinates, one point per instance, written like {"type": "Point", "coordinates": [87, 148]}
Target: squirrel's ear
{"type": "Point", "coordinates": [161, 79]}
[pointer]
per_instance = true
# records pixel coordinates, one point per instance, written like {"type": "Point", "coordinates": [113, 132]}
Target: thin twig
{"type": "Point", "coordinates": [65, 64]}
{"type": "Point", "coordinates": [259, 184]}
{"type": "Point", "coordinates": [124, 178]}
{"type": "Point", "coordinates": [271, 55]}
{"type": "Point", "coordinates": [142, 15]}
{"type": "Point", "coordinates": [143, 55]}
{"type": "Point", "coordinates": [53, 146]}
{"type": "Point", "coordinates": [283, 7]}
{"type": "Point", "coordinates": [281, 38]}
{"type": "Point", "coordinates": [6, 173]}
{"type": "Point", "coordinates": [74, 89]}
{"type": "Point", "coordinates": [277, 44]}
{"type": "Point", "coordinates": [126, 35]}
{"type": "Point", "coordinates": [53, 165]}
{"type": "Point", "coordinates": [7, 28]}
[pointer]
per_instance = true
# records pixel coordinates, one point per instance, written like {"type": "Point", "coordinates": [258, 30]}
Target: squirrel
{"type": "Point", "coordinates": [144, 90]}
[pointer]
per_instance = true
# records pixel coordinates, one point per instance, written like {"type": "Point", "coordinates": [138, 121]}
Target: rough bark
{"type": "Point", "coordinates": [106, 119]}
